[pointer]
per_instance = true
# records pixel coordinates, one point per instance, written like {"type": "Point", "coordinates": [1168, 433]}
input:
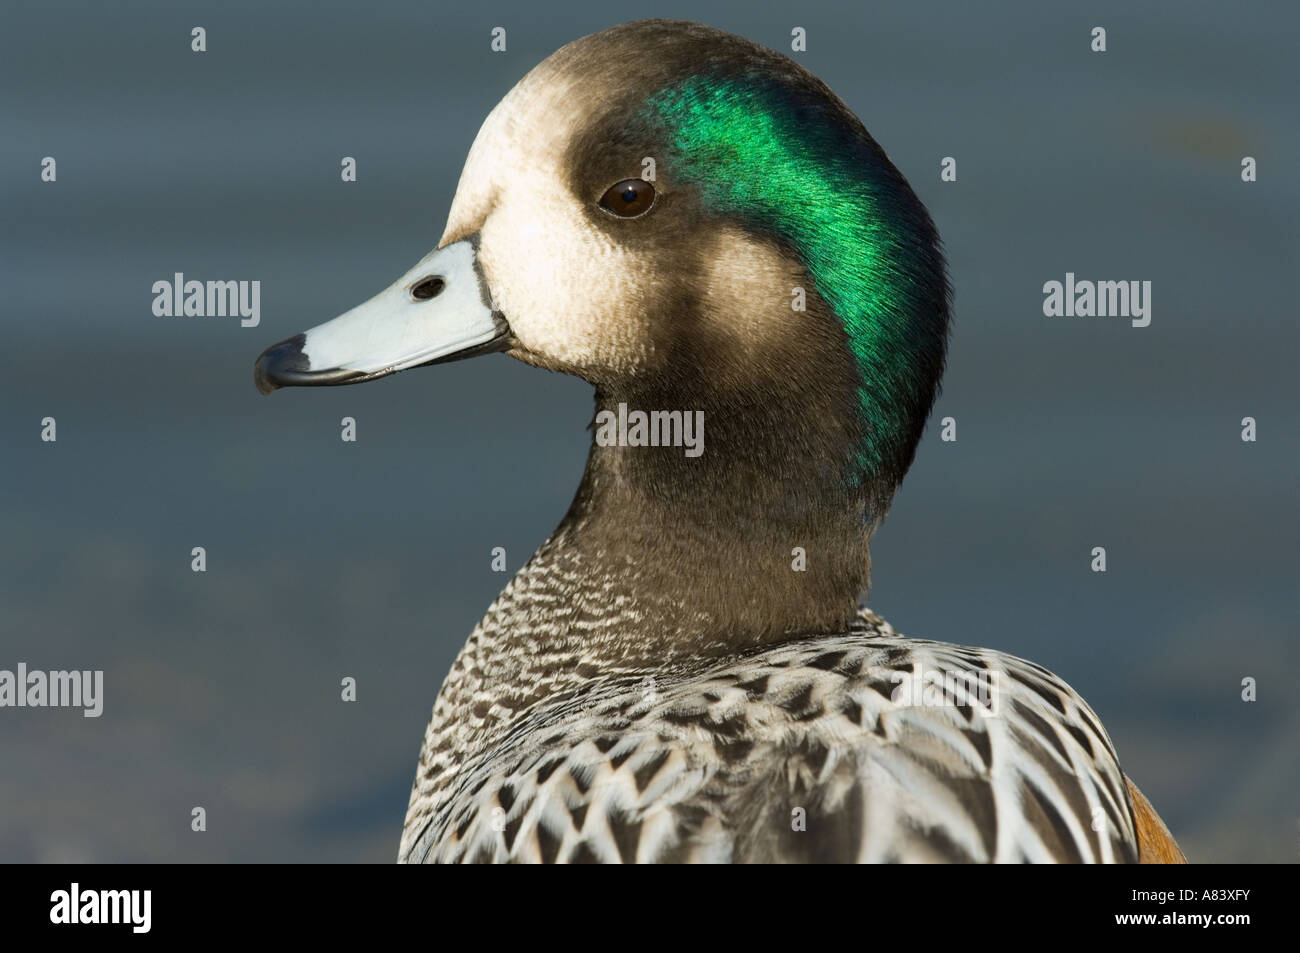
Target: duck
{"type": "Point", "coordinates": [686, 670]}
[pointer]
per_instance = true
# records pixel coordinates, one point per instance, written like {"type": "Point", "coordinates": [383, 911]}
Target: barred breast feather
{"type": "Point", "coordinates": [803, 751]}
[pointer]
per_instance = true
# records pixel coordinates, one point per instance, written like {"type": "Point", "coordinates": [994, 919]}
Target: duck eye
{"type": "Point", "coordinates": [629, 198]}
{"type": "Point", "coordinates": [427, 288]}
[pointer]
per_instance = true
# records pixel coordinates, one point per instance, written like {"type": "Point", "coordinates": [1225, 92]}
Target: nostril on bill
{"type": "Point", "coordinates": [427, 288]}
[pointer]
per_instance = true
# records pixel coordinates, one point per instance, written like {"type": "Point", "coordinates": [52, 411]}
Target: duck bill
{"type": "Point", "coordinates": [440, 310]}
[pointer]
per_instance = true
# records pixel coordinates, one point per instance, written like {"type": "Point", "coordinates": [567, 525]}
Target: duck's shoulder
{"type": "Point", "coordinates": [859, 746]}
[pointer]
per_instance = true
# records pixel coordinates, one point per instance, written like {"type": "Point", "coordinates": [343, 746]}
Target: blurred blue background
{"type": "Point", "coordinates": [328, 559]}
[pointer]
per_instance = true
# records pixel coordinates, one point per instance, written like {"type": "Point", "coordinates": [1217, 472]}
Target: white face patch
{"type": "Point", "coordinates": [395, 330]}
{"type": "Point", "coordinates": [568, 289]}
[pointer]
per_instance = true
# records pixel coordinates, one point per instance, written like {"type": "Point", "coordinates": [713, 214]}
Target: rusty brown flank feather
{"type": "Point", "coordinates": [1155, 844]}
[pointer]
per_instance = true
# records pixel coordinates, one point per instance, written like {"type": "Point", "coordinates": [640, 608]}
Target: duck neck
{"type": "Point", "coordinates": [739, 532]}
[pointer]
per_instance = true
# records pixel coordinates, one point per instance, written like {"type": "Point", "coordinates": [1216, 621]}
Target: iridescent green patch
{"type": "Point", "coordinates": [788, 163]}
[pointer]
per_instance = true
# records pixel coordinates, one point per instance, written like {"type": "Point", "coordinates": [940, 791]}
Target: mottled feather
{"type": "Point", "coordinates": [798, 752]}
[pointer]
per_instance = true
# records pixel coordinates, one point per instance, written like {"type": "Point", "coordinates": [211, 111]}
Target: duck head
{"type": "Point", "coordinates": [692, 222]}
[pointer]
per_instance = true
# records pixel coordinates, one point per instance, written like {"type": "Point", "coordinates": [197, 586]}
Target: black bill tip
{"type": "Point", "coordinates": [286, 365]}
{"type": "Point", "coordinates": [279, 363]}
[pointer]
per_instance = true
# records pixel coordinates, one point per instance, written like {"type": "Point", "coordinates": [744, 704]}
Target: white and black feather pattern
{"type": "Point", "coordinates": [796, 753]}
